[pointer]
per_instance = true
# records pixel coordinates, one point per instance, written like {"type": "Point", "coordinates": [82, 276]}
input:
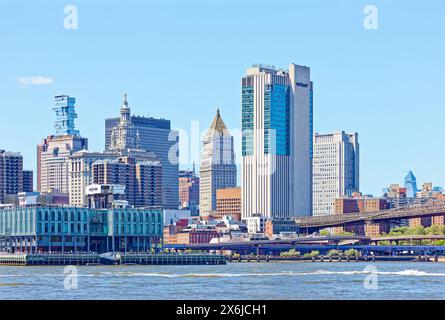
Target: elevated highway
{"type": "Point", "coordinates": [337, 220]}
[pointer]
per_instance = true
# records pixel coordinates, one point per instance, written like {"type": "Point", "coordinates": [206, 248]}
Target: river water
{"type": "Point", "coordinates": [281, 280]}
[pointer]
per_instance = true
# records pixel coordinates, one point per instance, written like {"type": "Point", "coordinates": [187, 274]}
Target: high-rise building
{"type": "Point", "coordinates": [189, 191]}
{"type": "Point", "coordinates": [218, 168]}
{"type": "Point", "coordinates": [79, 173]}
{"type": "Point", "coordinates": [335, 170]}
{"type": "Point", "coordinates": [28, 181]}
{"type": "Point", "coordinates": [41, 148]}
{"type": "Point", "coordinates": [11, 174]}
{"type": "Point", "coordinates": [142, 179]}
{"type": "Point", "coordinates": [149, 134]}
{"type": "Point", "coordinates": [277, 108]}
{"type": "Point", "coordinates": [410, 185]}
{"type": "Point", "coordinates": [54, 151]}
{"type": "Point", "coordinates": [65, 114]}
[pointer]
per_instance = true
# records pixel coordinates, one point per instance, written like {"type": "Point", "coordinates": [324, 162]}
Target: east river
{"type": "Point", "coordinates": [283, 280]}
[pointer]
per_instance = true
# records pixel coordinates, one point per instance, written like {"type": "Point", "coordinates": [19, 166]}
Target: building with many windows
{"type": "Point", "coordinates": [28, 181]}
{"type": "Point", "coordinates": [228, 203]}
{"type": "Point", "coordinates": [61, 229]}
{"type": "Point", "coordinates": [79, 173]}
{"type": "Point", "coordinates": [11, 174]}
{"type": "Point", "coordinates": [189, 191]}
{"type": "Point", "coordinates": [218, 168]}
{"type": "Point", "coordinates": [277, 142]}
{"type": "Point", "coordinates": [54, 151]}
{"type": "Point", "coordinates": [152, 135]}
{"type": "Point", "coordinates": [142, 178]}
{"type": "Point", "coordinates": [335, 170]}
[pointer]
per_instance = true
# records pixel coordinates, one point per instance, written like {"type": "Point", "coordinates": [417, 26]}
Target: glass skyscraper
{"type": "Point", "coordinates": [411, 185]}
{"type": "Point", "coordinates": [65, 115]}
{"type": "Point", "coordinates": [277, 142]}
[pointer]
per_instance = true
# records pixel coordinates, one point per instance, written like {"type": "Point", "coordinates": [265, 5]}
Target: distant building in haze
{"type": "Point", "coordinates": [410, 183]}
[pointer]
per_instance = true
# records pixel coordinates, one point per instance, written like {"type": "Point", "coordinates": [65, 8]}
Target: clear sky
{"type": "Point", "coordinates": [181, 59]}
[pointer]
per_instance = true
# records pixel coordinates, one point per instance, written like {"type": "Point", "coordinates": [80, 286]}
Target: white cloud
{"type": "Point", "coordinates": [35, 80]}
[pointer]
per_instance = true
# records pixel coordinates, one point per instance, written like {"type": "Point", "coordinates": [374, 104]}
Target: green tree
{"type": "Point", "coordinates": [352, 253]}
{"type": "Point", "coordinates": [315, 253]}
{"type": "Point", "coordinates": [334, 252]}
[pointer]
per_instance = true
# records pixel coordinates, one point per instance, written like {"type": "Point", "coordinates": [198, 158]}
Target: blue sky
{"type": "Point", "coordinates": [181, 59]}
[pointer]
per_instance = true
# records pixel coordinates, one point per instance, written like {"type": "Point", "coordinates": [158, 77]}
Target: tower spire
{"type": "Point", "coordinates": [125, 103]}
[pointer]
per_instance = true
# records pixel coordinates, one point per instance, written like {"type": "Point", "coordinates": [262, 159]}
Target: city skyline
{"type": "Point", "coordinates": [350, 92]}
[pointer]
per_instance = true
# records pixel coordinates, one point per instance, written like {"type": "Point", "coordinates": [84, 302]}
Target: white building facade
{"type": "Point", "coordinates": [277, 142]}
{"type": "Point", "coordinates": [335, 170]}
{"type": "Point", "coordinates": [79, 174]}
{"type": "Point", "coordinates": [217, 168]}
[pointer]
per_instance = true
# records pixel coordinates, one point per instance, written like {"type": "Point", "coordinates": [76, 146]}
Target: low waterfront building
{"type": "Point", "coordinates": [276, 226]}
{"type": "Point", "coordinates": [53, 197]}
{"type": "Point", "coordinates": [177, 234]}
{"type": "Point", "coordinates": [256, 224]}
{"type": "Point", "coordinates": [64, 229]}
{"type": "Point", "coordinates": [172, 216]}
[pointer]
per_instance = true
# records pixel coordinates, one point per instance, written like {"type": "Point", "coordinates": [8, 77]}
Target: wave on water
{"type": "Point", "coordinates": [408, 272]}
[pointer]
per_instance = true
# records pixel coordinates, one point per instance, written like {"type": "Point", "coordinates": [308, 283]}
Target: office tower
{"type": "Point", "coordinates": [142, 179]}
{"type": "Point", "coordinates": [64, 108]}
{"type": "Point", "coordinates": [218, 168]}
{"type": "Point", "coordinates": [335, 170]}
{"type": "Point", "coordinates": [149, 134]}
{"type": "Point", "coordinates": [79, 173]}
{"type": "Point", "coordinates": [11, 174]}
{"type": "Point", "coordinates": [189, 191]}
{"type": "Point", "coordinates": [228, 203]}
{"type": "Point", "coordinates": [410, 185]}
{"type": "Point", "coordinates": [277, 142]}
{"type": "Point", "coordinates": [28, 181]}
{"type": "Point", "coordinates": [54, 151]}
{"type": "Point", "coordinates": [41, 148]}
